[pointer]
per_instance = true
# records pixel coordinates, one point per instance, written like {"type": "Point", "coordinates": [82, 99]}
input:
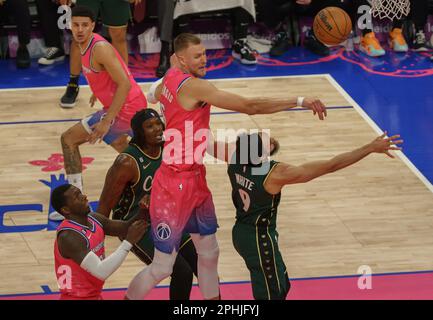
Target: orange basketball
{"type": "Point", "coordinates": [332, 26]}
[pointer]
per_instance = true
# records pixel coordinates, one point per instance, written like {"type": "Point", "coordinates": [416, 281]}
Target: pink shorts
{"type": "Point", "coordinates": [180, 202]}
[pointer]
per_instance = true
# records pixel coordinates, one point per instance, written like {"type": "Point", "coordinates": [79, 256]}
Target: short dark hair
{"type": "Point", "coordinates": [249, 149]}
{"type": "Point", "coordinates": [83, 11]}
{"type": "Point", "coordinates": [58, 199]}
{"type": "Point", "coordinates": [184, 40]}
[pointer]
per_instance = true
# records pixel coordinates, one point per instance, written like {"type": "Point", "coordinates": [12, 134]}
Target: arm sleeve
{"type": "Point", "coordinates": [103, 269]}
{"type": "Point", "coordinates": [151, 94]}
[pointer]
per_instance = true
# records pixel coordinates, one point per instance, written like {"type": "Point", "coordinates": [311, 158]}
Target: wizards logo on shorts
{"type": "Point", "coordinates": [163, 231]}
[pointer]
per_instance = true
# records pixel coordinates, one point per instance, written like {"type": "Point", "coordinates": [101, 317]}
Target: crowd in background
{"type": "Point", "coordinates": [276, 15]}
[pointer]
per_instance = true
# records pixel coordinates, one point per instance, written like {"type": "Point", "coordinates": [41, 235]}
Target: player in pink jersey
{"type": "Point", "coordinates": [180, 199]}
{"type": "Point", "coordinates": [112, 84]}
{"type": "Point", "coordinates": [79, 252]}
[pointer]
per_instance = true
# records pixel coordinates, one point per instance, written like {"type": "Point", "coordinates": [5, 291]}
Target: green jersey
{"type": "Point", "coordinates": [128, 206]}
{"type": "Point", "coordinates": [254, 205]}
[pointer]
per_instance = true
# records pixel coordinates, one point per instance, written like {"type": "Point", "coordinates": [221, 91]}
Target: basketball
{"type": "Point", "coordinates": [332, 26]}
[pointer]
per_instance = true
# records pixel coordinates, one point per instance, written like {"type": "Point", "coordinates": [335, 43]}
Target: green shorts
{"type": "Point", "coordinates": [258, 246]}
{"type": "Point", "coordinates": [114, 13]}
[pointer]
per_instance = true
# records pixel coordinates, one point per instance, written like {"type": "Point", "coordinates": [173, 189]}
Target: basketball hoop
{"type": "Point", "coordinates": [391, 9]}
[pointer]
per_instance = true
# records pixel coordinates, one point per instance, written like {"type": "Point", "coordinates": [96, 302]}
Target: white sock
{"type": "Point", "coordinates": [76, 180]}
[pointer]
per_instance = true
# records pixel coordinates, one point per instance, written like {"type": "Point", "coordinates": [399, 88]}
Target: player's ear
{"type": "Point", "coordinates": [64, 211]}
{"type": "Point", "coordinates": [275, 146]}
{"type": "Point", "coordinates": [93, 25]}
{"type": "Point", "coordinates": [181, 59]}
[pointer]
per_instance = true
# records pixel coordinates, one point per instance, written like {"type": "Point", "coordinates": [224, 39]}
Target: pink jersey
{"type": "Point", "coordinates": [104, 88]}
{"type": "Point", "coordinates": [75, 282]}
{"type": "Point", "coordinates": [193, 125]}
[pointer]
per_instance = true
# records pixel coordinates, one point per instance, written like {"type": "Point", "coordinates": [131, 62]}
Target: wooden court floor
{"type": "Point", "coordinates": [376, 213]}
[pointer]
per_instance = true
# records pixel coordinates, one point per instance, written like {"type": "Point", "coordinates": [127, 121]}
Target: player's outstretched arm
{"type": "Point", "coordinates": [203, 90]}
{"type": "Point", "coordinates": [286, 174]}
{"type": "Point", "coordinates": [123, 171]}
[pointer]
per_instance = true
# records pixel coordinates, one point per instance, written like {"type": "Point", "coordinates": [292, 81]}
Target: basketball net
{"type": "Point", "coordinates": [391, 9]}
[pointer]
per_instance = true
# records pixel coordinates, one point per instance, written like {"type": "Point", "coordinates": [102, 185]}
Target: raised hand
{"type": "Point", "coordinates": [384, 145]}
{"type": "Point", "coordinates": [316, 106]}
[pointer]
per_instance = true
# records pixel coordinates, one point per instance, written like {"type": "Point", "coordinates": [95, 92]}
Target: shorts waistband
{"type": "Point", "coordinates": [173, 172]}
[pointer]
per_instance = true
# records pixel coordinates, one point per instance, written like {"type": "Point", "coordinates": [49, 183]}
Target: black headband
{"type": "Point", "coordinates": [141, 116]}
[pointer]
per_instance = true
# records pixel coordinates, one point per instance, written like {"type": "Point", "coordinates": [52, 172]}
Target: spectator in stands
{"type": "Point", "coordinates": [241, 20]}
{"type": "Point", "coordinates": [419, 14]}
{"type": "Point", "coordinates": [48, 17]}
{"type": "Point", "coordinates": [19, 9]}
{"type": "Point", "coordinates": [165, 27]}
{"type": "Point", "coordinates": [369, 43]}
{"type": "Point", "coordinates": [275, 15]}
{"type": "Point", "coordinates": [240, 48]}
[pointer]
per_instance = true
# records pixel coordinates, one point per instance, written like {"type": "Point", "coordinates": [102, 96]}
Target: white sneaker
{"type": "Point", "coordinates": [52, 55]}
{"type": "Point", "coordinates": [55, 216]}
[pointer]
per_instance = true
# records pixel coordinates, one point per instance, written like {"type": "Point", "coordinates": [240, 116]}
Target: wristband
{"type": "Point", "coordinates": [300, 101]}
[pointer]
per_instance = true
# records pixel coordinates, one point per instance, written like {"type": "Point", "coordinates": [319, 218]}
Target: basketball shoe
{"type": "Point", "coordinates": [242, 52]}
{"type": "Point", "coordinates": [315, 46]}
{"type": "Point", "coordinates": [52, 55]}
{"type": "Point", "coordinates": [280, 44]}
{"type": "Point", "coordinates": [68, 100]}
{"type": "Point", "coordinates": [396, 41]}
{"type": "Point", "coordinates": [419, 43]}
{"type": "Point", "coordinates": [23, 57]}
{"type": "Point", "coordinates": [371, 46]}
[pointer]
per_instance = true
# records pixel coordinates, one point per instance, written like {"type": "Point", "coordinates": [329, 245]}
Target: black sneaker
{"type": "Point", "coordinates": [164, 62]}
{"type": "Point", "coordinates": [70, 96]}
{"type": "Point", "coordinates": [280, 44]}
{"type": "Point", "coordinates": [52, 55]}
{"type": "Point", "coordinates": [315, 46]}
{"type": "Point", "coordinates": [242, 52]}
{"type": "Point", "coordinates": [23, 57]}
{"type": "Point", "coordinates": [419, 43]}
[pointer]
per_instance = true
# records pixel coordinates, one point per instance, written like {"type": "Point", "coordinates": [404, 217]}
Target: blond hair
{"type": "Point", "coordinates": [184, 40]}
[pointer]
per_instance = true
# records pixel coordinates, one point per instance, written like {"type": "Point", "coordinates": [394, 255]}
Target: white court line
{"type": "Point", "coordinates": [379, 131]}
{"type": "Point", "coordinates": [150, 82]}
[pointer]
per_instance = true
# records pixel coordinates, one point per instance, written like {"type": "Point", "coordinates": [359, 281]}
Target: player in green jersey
{"type": "Point", "coordinates": [127, 188]}
{"type": "Point", "coordinates": [256, 190]}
